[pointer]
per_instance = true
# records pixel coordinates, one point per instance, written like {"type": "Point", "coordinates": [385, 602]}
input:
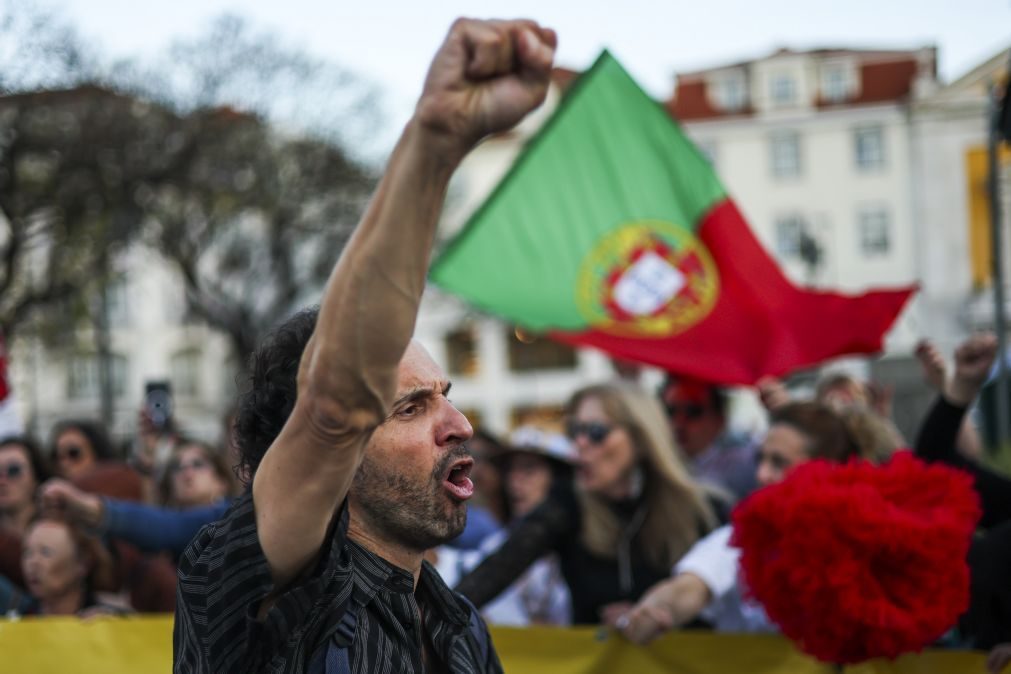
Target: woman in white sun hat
{"type": "Point", "coordinates": [534, 463]}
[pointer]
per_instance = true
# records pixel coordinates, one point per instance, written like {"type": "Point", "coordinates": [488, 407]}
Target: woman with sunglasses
{"type": "Point", "coordinates": [196, 475]}
{"type": "Point", "coordinates": [22, 469]}
{"type": "Point", "coordinates": [633, 513]}
{"type": "Point", "coordinates": [78, 446]}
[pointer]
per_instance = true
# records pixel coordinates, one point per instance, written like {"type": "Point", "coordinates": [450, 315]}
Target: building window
{"type": "Point", "coordinates": [528, 352]}
{"type": "Point", "coordinates": [785, 155]}
{"type": "Point", "coordinates": [789, 229]}
{"type": "Point", "coordinates": [83, 376]}
{"type": "Point", "coordinates": [784, 90]}
{"type": "Point", "coordinates": [185, 367]}
{"type": "Point", "coordinates": [708, 150]}
{"type": "Point", "coordinates": [461, 350]}
{"type": "Point", "coordinates": [870, 148]}
{"type": "Point", "coordinates": [474, 416]}
{"type": "Point", "coordinates": [116, 303]}
{"type": "Point", "coordinates": [548, 417]}
{"type": "Point", "coordinates": [834, 84]}
{"type": "Point", "coordinates": [730, 93]}
{"type": "Point", "coordinates": [875, 231]}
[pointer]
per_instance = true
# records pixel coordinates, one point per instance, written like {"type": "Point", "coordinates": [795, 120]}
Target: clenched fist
{"type": "Point", "coordinates": [485, 78]}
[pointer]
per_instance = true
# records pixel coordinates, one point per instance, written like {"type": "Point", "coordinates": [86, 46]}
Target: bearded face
{"type": "Point", "coordinates": [414, 480]}
{"type": "Point", "coordinates": [417, 511]}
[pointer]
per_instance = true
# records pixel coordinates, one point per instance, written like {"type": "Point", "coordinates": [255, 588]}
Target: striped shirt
{"type": "Point", "coordinates": [224, 577]}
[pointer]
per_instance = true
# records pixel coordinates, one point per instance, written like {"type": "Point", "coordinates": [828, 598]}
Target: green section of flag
{"type": "Point", "coordinates": [609, 155]}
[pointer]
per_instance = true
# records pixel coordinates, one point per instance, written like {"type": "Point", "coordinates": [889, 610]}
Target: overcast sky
{"type": "Point", "coordinates": [390, 41]}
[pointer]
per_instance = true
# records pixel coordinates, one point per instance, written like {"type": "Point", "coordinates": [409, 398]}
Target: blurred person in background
{"type": "Point", "coordinates": [859, 402]}
{"type": "Point", "coordinates": [707, 582]}
{"type": "Point", "coordinates": [78, 446]}
{"type": "Point", "coordinates": [488, 511]}
{"type": "Point", "coordinates": [697, 412]}
{"type": "Point", "coordinates": [196, 476]}
{"type": "Point", "coordinates": [987, 623]}
{"type": "Point", "coordinates": [22, 469]}
{"type": "Point", "coordinates": [534, 464]}
{"type": "Point", "coordinates": [60, 565]}
{"type": "Point", "coordinates": [632, 514]}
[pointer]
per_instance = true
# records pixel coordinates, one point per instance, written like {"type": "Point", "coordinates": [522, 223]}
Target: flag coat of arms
{"type": "Point", "coordinates": [611, 230]}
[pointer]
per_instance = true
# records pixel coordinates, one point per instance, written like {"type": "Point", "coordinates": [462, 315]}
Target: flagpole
{"type": "Point", "coordinates": [997, 260]}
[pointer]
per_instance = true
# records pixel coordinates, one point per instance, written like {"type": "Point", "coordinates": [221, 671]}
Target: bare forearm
{"type": "Point", "coordinates": [347, 375]}
{"type": "Point", "coordinates": [668, 605]}
{"type": "Point", "coordinates": [684, 596]}
{"type": "Point", "coordinates": [371, 302]}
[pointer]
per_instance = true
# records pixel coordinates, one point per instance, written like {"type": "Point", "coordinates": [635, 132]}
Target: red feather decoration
{"type": "Point", "coordinates": [858, 561]}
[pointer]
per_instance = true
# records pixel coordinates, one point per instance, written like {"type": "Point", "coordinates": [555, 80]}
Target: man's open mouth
{"type": "Point", "coordinates": [457, 480]}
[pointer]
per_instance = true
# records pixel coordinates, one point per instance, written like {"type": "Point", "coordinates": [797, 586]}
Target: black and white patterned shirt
{"type": "Point", "coordinates": [224, 577]}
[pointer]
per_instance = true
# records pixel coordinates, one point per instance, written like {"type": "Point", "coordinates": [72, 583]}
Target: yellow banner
{"type": "Point", "coordinates": [144, 644]}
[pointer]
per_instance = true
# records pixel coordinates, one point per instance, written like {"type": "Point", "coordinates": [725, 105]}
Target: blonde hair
{"type": "Point", "coordinates": [677, 510]}
{"type": "Point", "coordinates": [876, 438]}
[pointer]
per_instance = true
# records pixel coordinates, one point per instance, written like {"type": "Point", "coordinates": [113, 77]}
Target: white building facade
{"type": "Point", "coordinates": [854, 169]}
{"type": "Point", "coordinates": [151, 340]}
{"type": "Point", "coordinates": [815, 148]}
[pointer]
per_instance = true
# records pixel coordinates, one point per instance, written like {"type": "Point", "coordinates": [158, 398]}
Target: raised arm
{"type": "Point", "coordinates": [485, 78]}
{"type": "Point", "coordinates": [150, 528]}
{"type": "Point", "coordinates": [539, 533]}
{"type": "Point", "coordinates": [936, 438]}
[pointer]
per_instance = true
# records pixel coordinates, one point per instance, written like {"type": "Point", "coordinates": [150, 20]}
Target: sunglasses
{"type": "Point", "coordinates": [73, 453]}
{"type": "Point", "coordinates": [686, 410]}
{"type": "Point", "coordinates": [12, 471]}
{"type": "Point", "coordinates": [198, 464]}
{"type": "Point", "coordinates": [594, 431]}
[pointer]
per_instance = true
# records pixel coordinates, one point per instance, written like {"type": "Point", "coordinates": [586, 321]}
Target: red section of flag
{"type": "Point", "coordinates": [762, 324]}
{"type": "Point", "coordinates": [5, 388]}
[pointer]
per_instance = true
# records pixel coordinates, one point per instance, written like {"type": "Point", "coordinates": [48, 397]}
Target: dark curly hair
{"type": "Point", "coordinates": [94, 431]}
{"type": "Point", "coordinates": [268, 396]}
{"type": "Point", "coordinates": [37, 459]}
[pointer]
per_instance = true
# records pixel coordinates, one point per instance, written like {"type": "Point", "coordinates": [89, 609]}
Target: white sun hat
{"type": "Point", "coordinates": [534, 440]}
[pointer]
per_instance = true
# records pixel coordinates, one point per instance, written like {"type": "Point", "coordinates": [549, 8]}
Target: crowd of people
{"type": "Point", "coordinates": [617, 515]}
{"type": "Point", "coordinates": [325, 532]}
{"type": "Point", "coordinates": [86, 529]}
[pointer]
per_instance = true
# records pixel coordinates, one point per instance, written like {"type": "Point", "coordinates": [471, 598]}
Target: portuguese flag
{"type": "Point", "coordinates": [612, 231]}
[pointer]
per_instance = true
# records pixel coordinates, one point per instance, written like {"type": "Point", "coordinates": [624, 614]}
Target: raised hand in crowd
{"type": "Point", "coordinates": [772, 392]}
{"type": "Point", "coordinates": [973, 360]}
{"type": "Point", "coordinates": [60, 498]}
{"type": "Point", "coordinates": [935, 369]}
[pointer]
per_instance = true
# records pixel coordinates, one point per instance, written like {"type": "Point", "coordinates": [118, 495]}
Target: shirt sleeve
{"type": "Point", "coordinates": [714, 561]}
{"type": "Point", "coordinates": [539, 533]}
{"type": "Point", "coordinates": [224, 578]}
{"type": "Point", "coordinates": [154, 529]}
{"type": "Point", "coordinates": [936, 442]}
